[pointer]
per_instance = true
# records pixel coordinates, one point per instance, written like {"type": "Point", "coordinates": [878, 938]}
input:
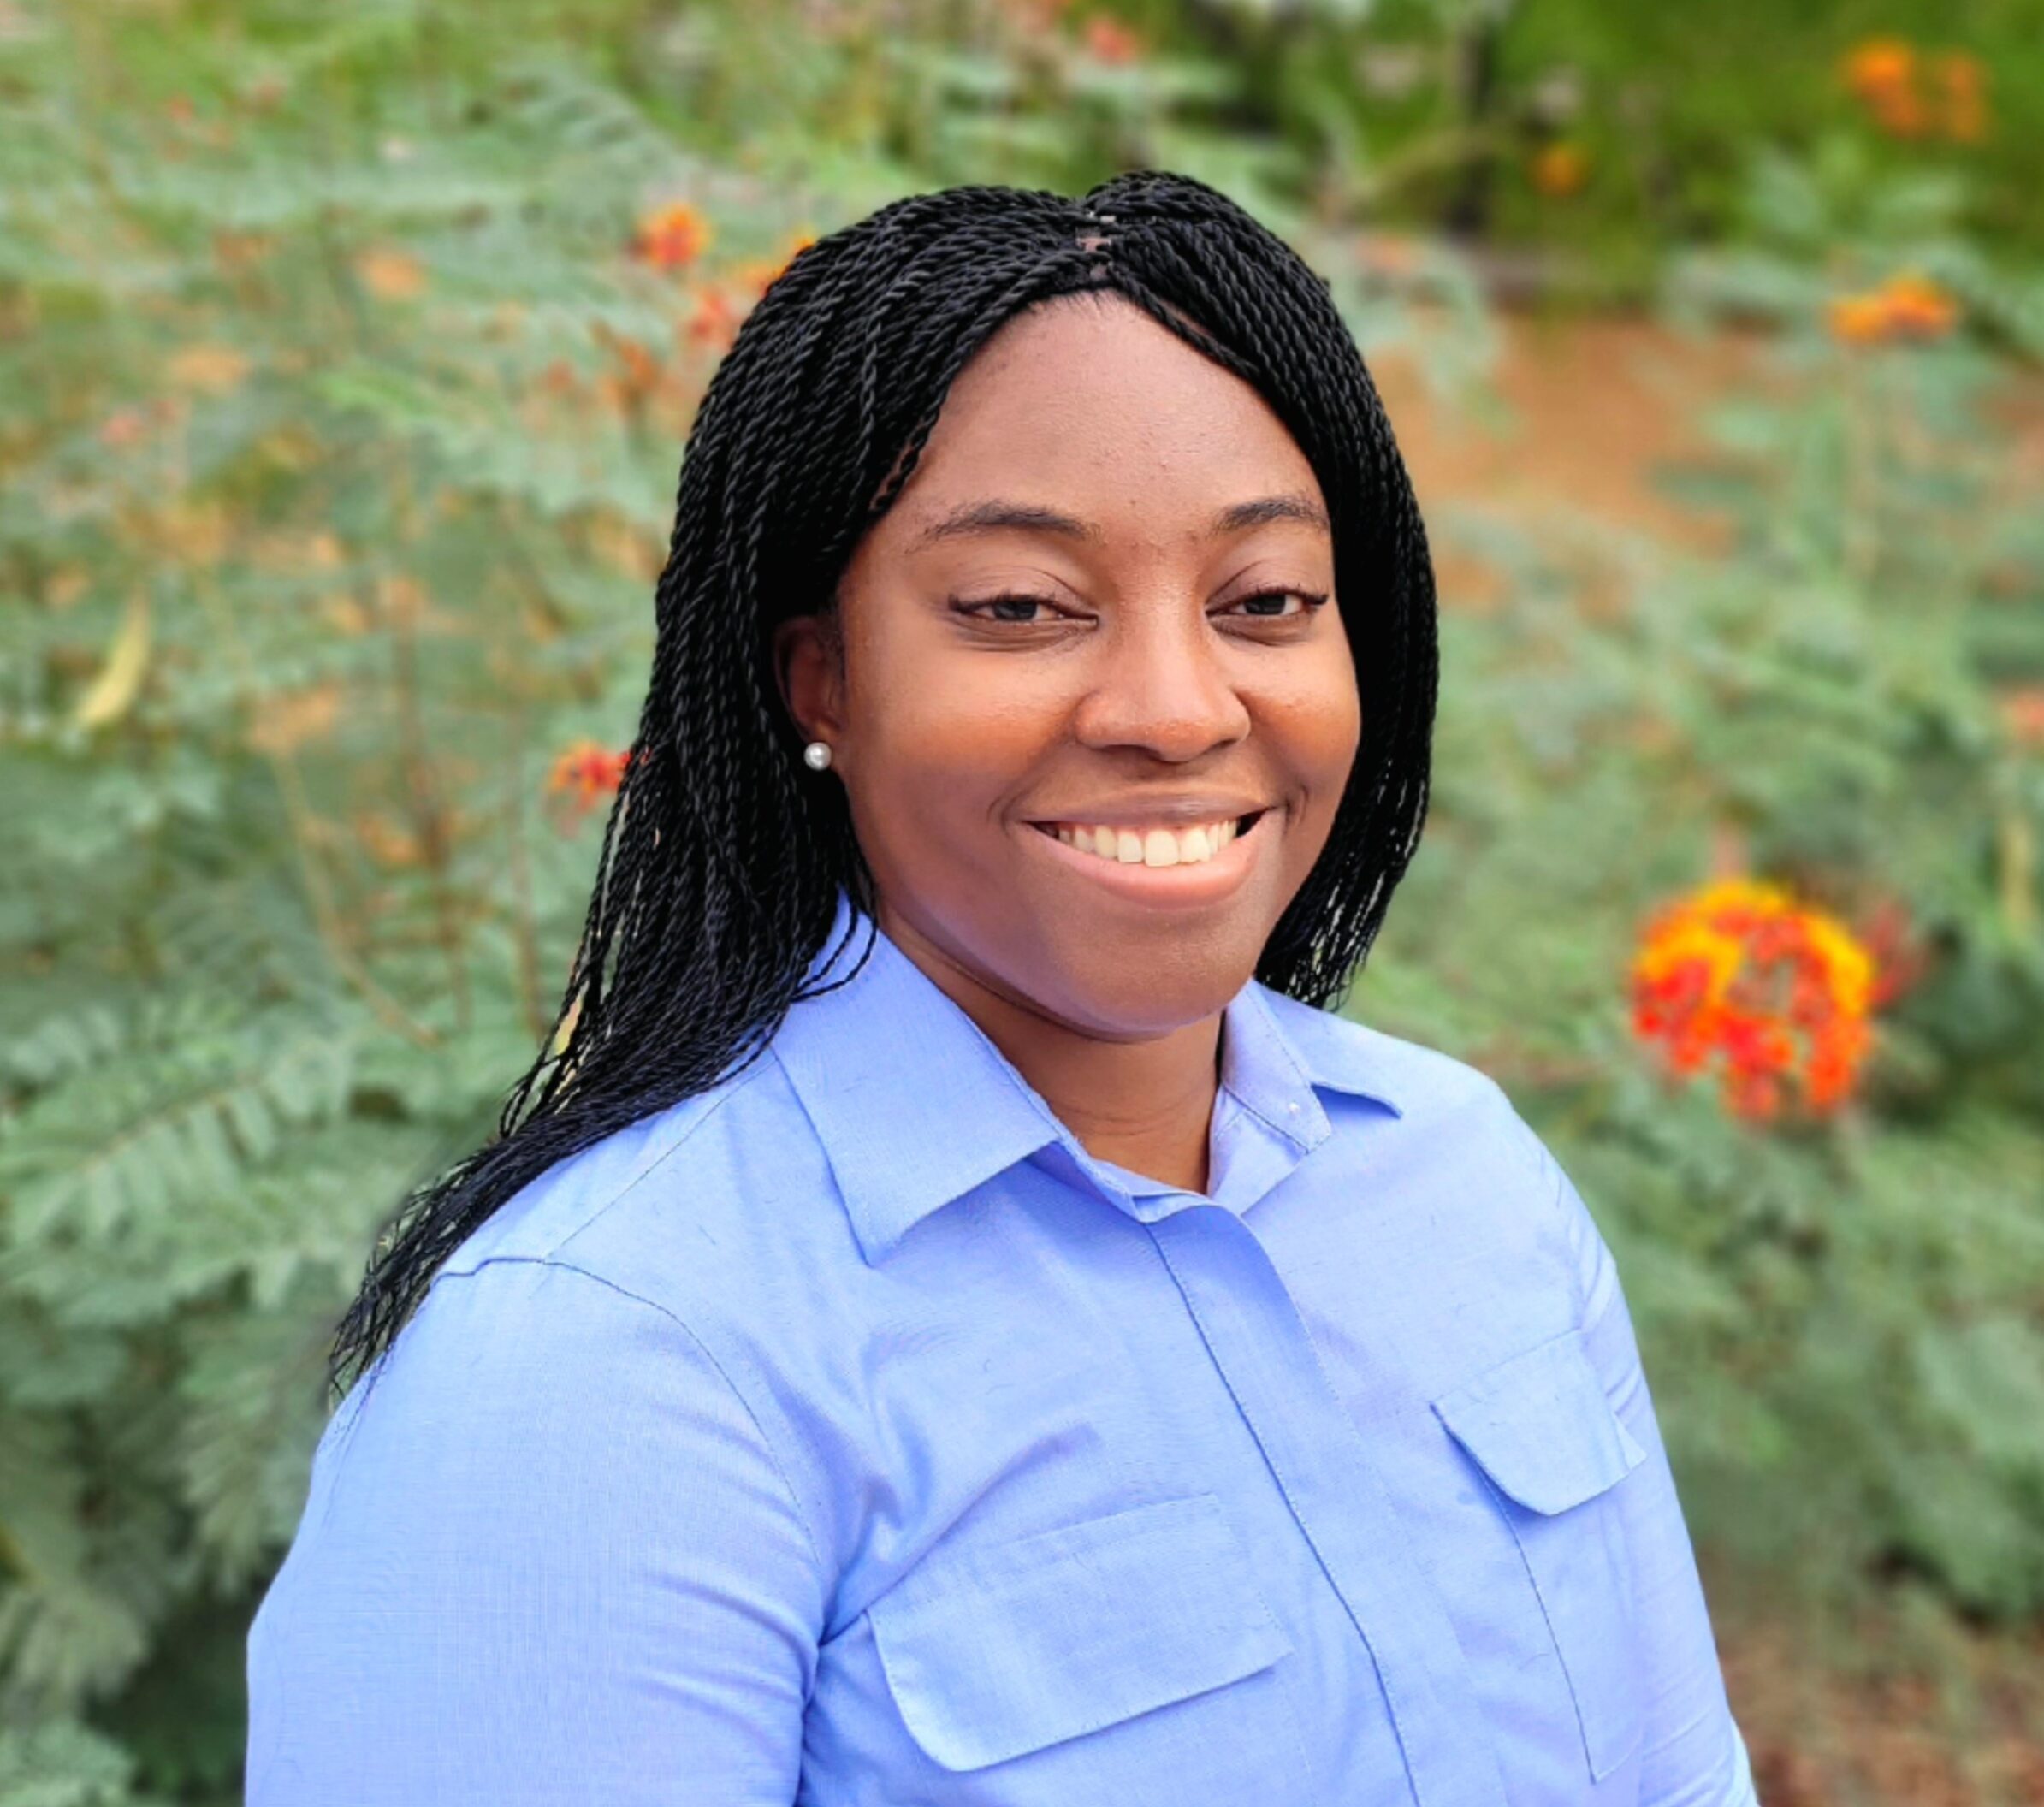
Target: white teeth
{"type": "Point", "coordinates": [1153, 847]}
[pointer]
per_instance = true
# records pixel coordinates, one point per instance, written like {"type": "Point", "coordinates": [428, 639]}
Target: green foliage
{"type": "Point", "coordinates": [1436, 111]}
{"type": "Point", "coordinates": [338, 432]}
{"type": "Point", "coordinates": [65, 1765]}
{"type": "Point", "coordinates": [338, 427]}
{"type": "Point", "coordinates": [1844, 1316]}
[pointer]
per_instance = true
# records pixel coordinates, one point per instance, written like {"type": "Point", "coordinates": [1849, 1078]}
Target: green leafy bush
{"type": "Point", "coordinates": [340, 397]}
{"type": "Point", "coordinates": [1844, 1315]}
{"type": "Point", "coordinates": [338, 423]}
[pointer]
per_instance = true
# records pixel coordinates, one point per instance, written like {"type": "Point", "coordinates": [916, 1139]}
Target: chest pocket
{"type": "Point", "coordinates": [1540, 1429]}
{"type": "Point", "coordinates": [1142, 1626]}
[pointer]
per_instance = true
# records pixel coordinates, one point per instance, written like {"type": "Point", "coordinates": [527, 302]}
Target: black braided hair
{"type": "Point", "coordinates": [723, 857]}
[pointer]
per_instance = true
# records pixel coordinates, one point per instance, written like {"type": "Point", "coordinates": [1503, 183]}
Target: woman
{"type": "Point", "coordinates": [960, 1324]}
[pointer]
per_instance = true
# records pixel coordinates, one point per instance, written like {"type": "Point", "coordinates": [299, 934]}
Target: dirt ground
{"type": "Point", "coordinates": [1965, 1731]}
{"type": "Point", "coordinates": [1596, 407]}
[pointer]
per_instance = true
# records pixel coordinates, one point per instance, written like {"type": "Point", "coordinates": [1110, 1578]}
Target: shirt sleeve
{"type": "Point", "coordinates": [1693, 1755]}
{"type": "Point", "coordinates": [548, 1559]}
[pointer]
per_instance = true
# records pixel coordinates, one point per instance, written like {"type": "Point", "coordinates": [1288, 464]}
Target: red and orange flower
{"type": "Point", "coordinates": [1909, 93]}
{"type": "Point", "coordinates": [1908, 305]}
{"type": "Point", "coordinates": [673, 237]}
{"type": "Point", "coordinates": [713, 320]}
{"type": "Point", "coordinates": [1109, 40]}
{"type": "Point", "coordinates": [1776, 996]}
{"type": "Point", "coordinates": [586, 772]}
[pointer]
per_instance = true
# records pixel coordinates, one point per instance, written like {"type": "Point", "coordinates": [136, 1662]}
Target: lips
{"type": "Point", "coordinates": [1168, 885]}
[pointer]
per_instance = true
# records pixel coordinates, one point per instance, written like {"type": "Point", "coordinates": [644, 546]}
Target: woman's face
{"type": "Point", "coordinates": [1091, 711]}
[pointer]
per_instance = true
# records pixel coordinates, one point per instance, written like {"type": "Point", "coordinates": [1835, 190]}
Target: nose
{"type": "Point", "coordinates": [1163, 685]}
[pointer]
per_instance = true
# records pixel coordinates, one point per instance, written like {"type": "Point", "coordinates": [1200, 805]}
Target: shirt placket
{"type": "Point", "coordinates": [1266, 1357]}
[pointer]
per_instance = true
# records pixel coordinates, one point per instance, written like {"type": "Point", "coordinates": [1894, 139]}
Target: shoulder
{"type": "Point", "coordinates": [1461, 1152]}
{"type": "Point", "coordinates": [675, 1179]}
{"type": "Point", "coordinates": [620, 1311]}
{"type": "Point", "coordinates": [512, 1370]}
{"type": "Point", "coordinates": [533, 1332]}
{"type": "Point", "coordinates": [706, 1238]}
{"type": "Point", "coordinates": [538, 1441]}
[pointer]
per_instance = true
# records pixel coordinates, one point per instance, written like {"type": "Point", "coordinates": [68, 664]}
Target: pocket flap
{"type": "Point", "coordinates": [1540, 1427]}
{"type": "Point", "coordinates": [991, 1652]}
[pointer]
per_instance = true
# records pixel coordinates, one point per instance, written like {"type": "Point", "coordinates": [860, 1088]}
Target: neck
{"type": "Point", "coordinates": [1145, 1105]}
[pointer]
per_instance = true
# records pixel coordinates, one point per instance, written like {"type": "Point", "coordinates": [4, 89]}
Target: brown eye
{"type": "Point", "coordinates": [1270, 605]}
{"type": "Point", "coordinates": [1011, 611]}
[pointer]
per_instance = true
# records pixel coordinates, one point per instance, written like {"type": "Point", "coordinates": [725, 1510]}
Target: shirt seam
{"type": "Point", "coordinates": [738, 1084]}
{"type": "Point", "coordinates": [1591, 1320]}
{"type": "Point", "coordinates": [1540, 1159]}
{"type": "Point", "coordinates": [773, 1456]}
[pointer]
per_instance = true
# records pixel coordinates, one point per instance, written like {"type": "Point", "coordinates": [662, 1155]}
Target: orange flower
{"type": "Point", "coordinates": [714, 322]}
{"type": "Point", "coordinates": [1964, 82]}
{"type": "Point", "coordinates": [673, 237]}
{"type": "Point", "coordinates": [1777, 995]}
{"type": "Point", "coordinates": [1110, 41]}
{"type": "Point", "coordinates": [1882, 73]}
{"type": "Point", "coordinates": [761, 274]}
{"type": "Point", "coordinates": [1561, 169]}
{"type": "Point", "coordinates": [2023, 715]}
{"type": "Point", "coordinates": [1918, 308]}
{"type": "Point", "coordinates": [637, 376]}
{"type": "Point", "coordinates": [123, 427]}
{"type": "Point", "coordinates": [1890, 77]}
{"type": "Point", "coordinates": [1859, 319]}
{"type": "Point", "coordinates": [391, 275]}
{"type": "Point", "coordinates": [1901, 114]}
{"type": "Point", "coordinates": [1907, 305]}
{"type": "Point", "coordinates": [1880, 65]}
{"type": "Point", "coordinates": [587, 771]}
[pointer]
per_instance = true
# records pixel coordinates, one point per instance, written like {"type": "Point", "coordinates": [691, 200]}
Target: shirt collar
{"type": "Point", "coordinates": [915, 1106]}
{"type": "Point", "coordinates": [1338, 1052]}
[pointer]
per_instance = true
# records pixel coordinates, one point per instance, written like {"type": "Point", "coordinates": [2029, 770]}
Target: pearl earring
{"type": "Point", "coordinates": [816, 755]}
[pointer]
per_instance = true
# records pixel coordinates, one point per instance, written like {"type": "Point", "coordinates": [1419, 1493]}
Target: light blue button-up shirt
{"type": "Point", "coordinates": [848, 1435]}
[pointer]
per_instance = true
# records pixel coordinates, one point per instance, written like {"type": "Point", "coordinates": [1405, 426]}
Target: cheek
{"type": "Point", "coordinates": [1313, 723]}
{"type": "Point", "coordinates": [940, 747]}
{"type": "Point", "coordinates": [957, 748]}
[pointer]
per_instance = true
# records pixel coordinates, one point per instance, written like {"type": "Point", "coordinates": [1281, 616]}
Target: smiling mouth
{"type": "Point", "coordinates": [1127, 846]}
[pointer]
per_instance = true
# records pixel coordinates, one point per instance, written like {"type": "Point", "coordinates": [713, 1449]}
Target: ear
{"type": "Point", "coordinates": [809, 664]}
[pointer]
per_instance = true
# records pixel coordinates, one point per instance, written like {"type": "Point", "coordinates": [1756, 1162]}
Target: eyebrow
{"type": "Point", "coordinates": [995, 516]}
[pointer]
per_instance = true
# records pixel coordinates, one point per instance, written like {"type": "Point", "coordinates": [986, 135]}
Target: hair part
{"type": "Point", "coordinates": [722, 857]}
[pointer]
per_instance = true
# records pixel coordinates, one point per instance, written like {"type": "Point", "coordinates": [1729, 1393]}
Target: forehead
{"type": "Point", "coordinates": [1093, 407]}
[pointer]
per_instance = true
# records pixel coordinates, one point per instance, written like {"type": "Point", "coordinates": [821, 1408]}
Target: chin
{"type": "Point", "coordinates": [1167, 982]}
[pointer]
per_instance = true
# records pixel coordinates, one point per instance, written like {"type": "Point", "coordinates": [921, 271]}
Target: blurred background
{"type": "Point", "coordinates": [347, 355]}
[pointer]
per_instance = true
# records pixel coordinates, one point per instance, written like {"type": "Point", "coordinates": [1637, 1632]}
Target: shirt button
{"type": "Point", "coordinates": [1293, 1108]}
